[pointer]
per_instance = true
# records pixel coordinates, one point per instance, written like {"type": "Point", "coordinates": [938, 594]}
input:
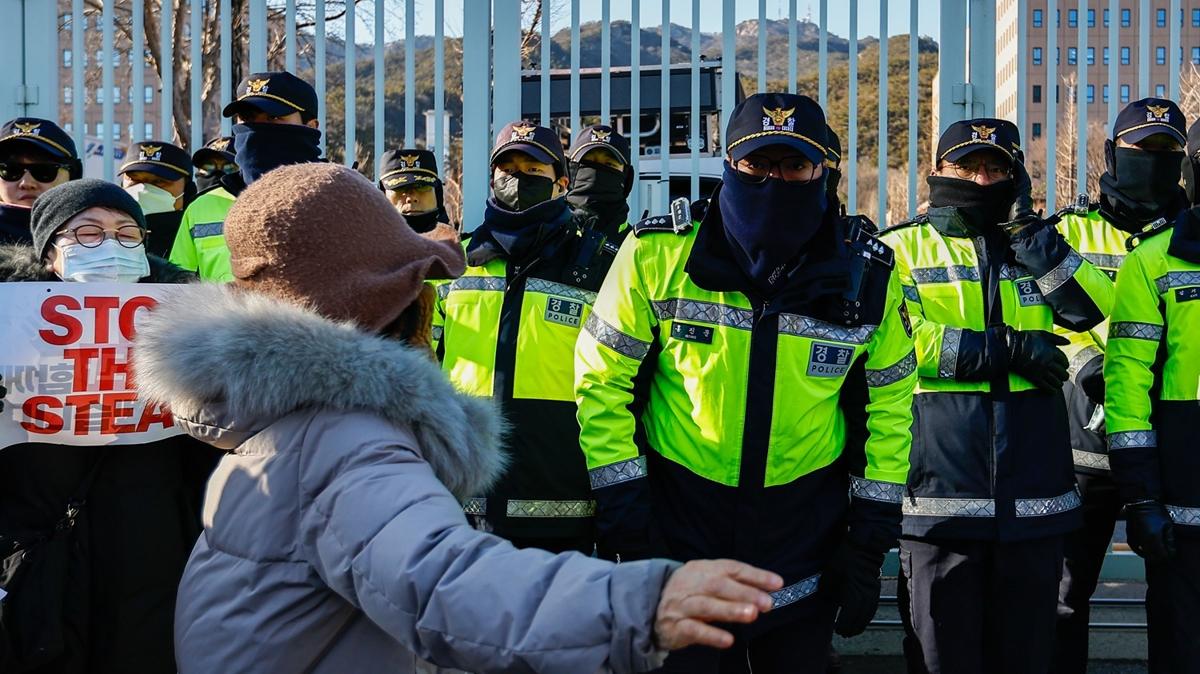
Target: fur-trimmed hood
{"type": "Point", "coordinates": [238, 361]}
{"type": "Point", "coordinates": [21, 263]}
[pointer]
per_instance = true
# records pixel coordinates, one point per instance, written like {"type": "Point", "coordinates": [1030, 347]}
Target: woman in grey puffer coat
{"type": "Point", "coordinates": [332, 541]}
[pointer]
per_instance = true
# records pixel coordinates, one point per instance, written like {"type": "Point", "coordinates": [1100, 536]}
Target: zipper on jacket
{"type": "Point", "coordinates": [759, 412]}
{"type": "Point", "coordinates": [984, 264]}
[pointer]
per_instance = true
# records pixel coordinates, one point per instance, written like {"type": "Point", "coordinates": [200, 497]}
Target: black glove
{"type": "Point", "coordinates": [852, 579]}
{"type": "Point", "coordinates": [1150, 530]}
{"type": "Point", "coordinates": [1034, 354]}
{"type": "Point", "coordinates": [1022, 208]}
{"type": "Point", "coordinates": [1090, 379]}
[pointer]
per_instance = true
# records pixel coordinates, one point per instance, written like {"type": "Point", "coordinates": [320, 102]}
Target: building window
{"type": "Point", "coordinates": [1160, 91]}
{"type": "Point", "coordinates": [1106, 18]}
{"type": "Point", "coordinates": [1196, 18]}
{"type": "Point", "coordinates": [1037, 93]}
{"type": "Point", "coordinates": [68, 95]}
{"type": "Point", "coordinates": [99, 57]}
{"type": "Point", "coordinates": [1126, 18]}
{"type": "Point", "coordinates": [116, 57]}
{"type": "Point", "coordinates": [99, 94]}
{"type": "Point", "coordinates": [1037, 18]}
{"type": "Point", "coordinates": [1160, 55]}
{"type": "Point", "coordinates": [1091, 56]}
{"type": "Point", "coordinates": [1057, 55]}
{"type": "Point", "coordinates": [1124, 93]}
{"type": "Point", "coordinates": [1058, 18]}
{"type": "Point", "coordinates": [67, 127]}
{"type": "Point", "coordinates": [83, 26]}
{"type": "Point", "coordinates": [1160, 18]}
{"type": "Point", "coordinates": [116, 95]}
{"type": "Point", "coordinates": [66, 58]}
{"type": "Point", "coordinates": [1106, 56]}
{"type": "Point", "coordinates": [1037, 130]}
{"type": "Point", "coordinates": [64, 20]}
{"type": "Point", "coordinates": [148, 132]}
{"type": "Point", "coordinates": [1104, 93]}
{"type": "Point", "coordinates": [1072, 55]}
{"type": "Point", "coordinates": [116, 131]}
{"type": "Point", "coordinates": [1124, 56]}
{"type": "Point", "coordinates": [148, 95]}
{"type": "Point", "coordinates": [1196, 55]}
{"type": "Point", "coordinates": [1037, 56]}
{"type": "Point", "coordinates": [1091, 93]}
{"type": "Point", "coordinates": [1091, 18]}
{"type": "Point", "coordinates": [1072, 18]}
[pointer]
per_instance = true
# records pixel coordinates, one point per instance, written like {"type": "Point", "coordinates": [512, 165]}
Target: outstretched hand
{"type": "Point", "coordinates": [711, 591]}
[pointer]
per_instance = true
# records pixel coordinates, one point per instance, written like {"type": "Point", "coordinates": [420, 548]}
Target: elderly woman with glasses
{"type": "Point", "coordinates": [112, 598]}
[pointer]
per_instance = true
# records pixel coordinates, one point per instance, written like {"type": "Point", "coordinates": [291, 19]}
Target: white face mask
{"type": "Point", "coordinates": [152, 199]}
{"type": "Point", "coordinates": [110, 261]}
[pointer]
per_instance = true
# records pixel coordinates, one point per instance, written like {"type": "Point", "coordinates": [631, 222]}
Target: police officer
{"type": "Point", "coordinates": [276, 115]}
{"type": "Point", "coordinates": [159, 176]}
{"type": "Point", "coordinates": [991, 492]}
{"type": "Point", "coordinates": [35, 155]}
{"type": "Point", "coordinates": [214, 161]}
{"type": "Point", "coordinates": [833, 165]}
{"type": "Point", "coordinates": [601, 175]}
{"type": "Point", "coordinates": [709, 376]}
{"type": "Point", "coordinates": [410, 180]}
{"type": "Point", "coordinates": [1150, 371]}
{"type": "Point", "coordinates": [508, 331]}
{"type": "Point", "coordinates": [1139, 190]}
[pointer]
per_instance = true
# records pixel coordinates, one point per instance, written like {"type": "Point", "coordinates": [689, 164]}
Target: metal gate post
{"type": "Point", "coordinates": [477, 44]}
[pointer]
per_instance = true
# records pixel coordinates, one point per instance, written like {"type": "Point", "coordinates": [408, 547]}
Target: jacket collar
{"type": "Point", "coordinates": [230, 362]}
{"type": "Point", "coordinates": [20, 263]}
{"type": "Point", "coordinates": [949, 221]}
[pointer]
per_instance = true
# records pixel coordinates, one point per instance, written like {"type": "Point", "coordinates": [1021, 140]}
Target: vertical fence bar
{"type": "Point", "coordinates": [380, 65]}
{"type": "Point", "coordinates": [544, 81]}
{"type": "Point", "coordinates": [410, 78]}
{"type": "Point", "coordinates": [258, 35]}
{"type": "Point", "coordinates": [319, 63]}
{"type": "Point", "coordinates": [476, 137]}
{"type": "Point", "coordinates": [1081, 100]}
{"type": "Point", "coordinates": [882, 144]}
{"type": "Point", "coordinates": [635, 106]}
{"type": "Point", "coordinates": [851, 156]}
{"type": "Point", "coordinates": [289, 35]}
{"type": "Point", "coordinates": [694, 138]}
{"type": "Point", "coordinates": [1144, 49]}
{"type": "Point", "coordinates": [106, 76]}
{"type": "Point", "coordinates": [1051, 23]}
{"type": "Point", "coordinates": [729, 72]}
{"type": "Point", "coordinates": [791, 46]}
{"type": "Point", "coordinates": [78, 93]}
{"type": "Point", "coordinates": [823, 56]}
{"type": "Point", "coordinates": [762, 46]}
{"type": "Point", "coordinates": [440, 150]}
{"type": "Point", "coordinates": [196, 47]}
{"type": "Point", "coordinates": [575, 66]}
{"type": "Point", "coordinates": [605, 64]}
{"type": "Point", "coordinates": [664, 132]}
{"type": "Point", "coordinates": [226, 70]}
{"type": "Point", "coordinates": [952, 63]}
{"type": "Point", "coordinates": [137, 69]}
{"type": "Point", "coordinates": [1022, 68]}
{"type": "Point", "coordinates": [1113, 56]}
{"type": "Point", "coordinates": [506, 62]}
{"type": "Point", "coordinates": [351, 79]}
{"type": "Point", "coordinates": [913, 131]}
{"type": "Point", "coordinates": [1174, 53]}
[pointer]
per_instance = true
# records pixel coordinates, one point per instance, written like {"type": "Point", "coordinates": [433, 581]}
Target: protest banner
{"type": "Point", "coordinates": [67, 349]}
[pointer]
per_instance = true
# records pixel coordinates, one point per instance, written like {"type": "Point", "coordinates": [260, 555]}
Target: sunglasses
{"type": "Point", "coordinates": [43, 173]}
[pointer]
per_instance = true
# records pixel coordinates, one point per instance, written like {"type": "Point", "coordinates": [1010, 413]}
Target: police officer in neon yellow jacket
{"type": "Point", "coordinates": [991, 491]}
{"type": "Point", "coordinates": [601, 180]}
{"type": "Point", "coordinates": [277, 125]}
{"type": "Point", "coordinates": [1151, 371]}
{"type": "Point", "coordinates": [709, 377]}
{"type": "Point", "coordinates": [1139, 190]}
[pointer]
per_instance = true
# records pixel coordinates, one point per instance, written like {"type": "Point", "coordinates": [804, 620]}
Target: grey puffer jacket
{"type": "Point", "coordinates": [332, 541]}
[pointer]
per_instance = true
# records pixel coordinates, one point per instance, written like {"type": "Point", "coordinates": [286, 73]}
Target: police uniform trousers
{"type": "Point", "coordinates": [979, 607]}
{"type": "Point", "coordinates": [799, 647]}
{"type": "Point", "coordinates": [1083, 555]}
{"type": "Point", "coordinates": [581, 544]}
{"type": "Point", "coordinates": [1173, 608]}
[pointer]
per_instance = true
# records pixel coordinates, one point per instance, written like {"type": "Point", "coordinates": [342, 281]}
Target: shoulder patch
{"type": "Point", "coordinates": [867, 245]}
{"type": "Point", "coordinates": [678, 222]}
{"type": "Point", "coordinates": [1153, 229]}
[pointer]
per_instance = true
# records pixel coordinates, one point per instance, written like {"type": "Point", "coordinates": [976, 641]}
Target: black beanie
{"type": "Point", "coordinates": [59, 204]}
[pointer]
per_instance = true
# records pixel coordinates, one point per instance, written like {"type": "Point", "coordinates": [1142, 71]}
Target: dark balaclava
{"type": "Point", "coordinates": [603, 191]}
{"type": "Point", "coordinates": [1139, 184]}
{"type": "Point", "coordinates": [983, 205]}
{"type": "Point", "coordinates": [262, 147]}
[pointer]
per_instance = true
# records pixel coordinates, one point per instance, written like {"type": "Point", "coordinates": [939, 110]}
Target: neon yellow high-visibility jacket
{"type": "Point", "coordinates": [991, 456]}
{"type": "Point", "coordinates": [712, 418]}
{"type": "Point", "coordinates": [506, 329]}
{"type": "Point", "coordinates": [1152, 372]}
{"type": "Point", "coordinates": [200, 241]}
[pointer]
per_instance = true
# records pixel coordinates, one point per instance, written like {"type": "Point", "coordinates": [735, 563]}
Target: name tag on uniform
{"type": "Point", "coordinates": [564, 312]}
{"type": "Point", "coordinates": [692, 333]}
{"type": "Point", "coordinates": [1187, 294]}
{"type": "Point", "coordinates": [829, 360]}
{"type": "Point", "coordinates": [1028, 293]}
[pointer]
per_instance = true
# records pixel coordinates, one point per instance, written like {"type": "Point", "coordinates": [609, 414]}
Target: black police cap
{"type": "Point", "coordinates": [276, 93]}
{"type": "Point", "coordinates": [1148, 116]}
{"type": "Point", "coordinates": [42, 134]}
{"type": "Point", "coordinates": [985, 133]}
{"type": "Point", "coordinates": [777, 119]}
{"type": "Point", "coordinates": [600, 136]}
{"type": "Point", "coordinates": [405, 167]}
{"type": "Point", "coordinates": [158, 157]}
{"type": "Point", "coordinates": [217, 148]}
{"type": "Point", "coordinates": [539, 142]}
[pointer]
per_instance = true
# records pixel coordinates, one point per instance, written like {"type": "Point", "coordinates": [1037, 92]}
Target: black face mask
{"type": "Point", "coordinates": [983, 205]}
{"type": "Point", "coordinates": [833, 180]}
{"type": "Point", "coordinates": [1144, 185]}
{"type": "Point", "coordinates": [262, 147]}
{"type": "Point", "coordinates": [521, 191]}
{"type": "Point", "coordinates": [602, 190]}
{"type": "Point", "coordinates": [206, 181]}
{"type": "Point", "coordinates": [422, 222]}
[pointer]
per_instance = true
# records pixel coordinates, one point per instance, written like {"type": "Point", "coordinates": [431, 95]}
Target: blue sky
{"type": "Point", "coordinates": [681, 14]}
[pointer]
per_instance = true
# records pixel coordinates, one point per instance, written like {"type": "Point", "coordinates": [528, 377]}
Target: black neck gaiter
{"type": "Point", "coordinates": [1142, 186]}
{"type": "Point", "coordinates": [262, 147]}
{"type": "Point", "coordinates": [982, 205]}
{"type": "Point", "coordinates": [515, 235]}
{"type": "Point", "coordinates": [422, 222]}
{"type": "Point", "coordinates": [600, 190]}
